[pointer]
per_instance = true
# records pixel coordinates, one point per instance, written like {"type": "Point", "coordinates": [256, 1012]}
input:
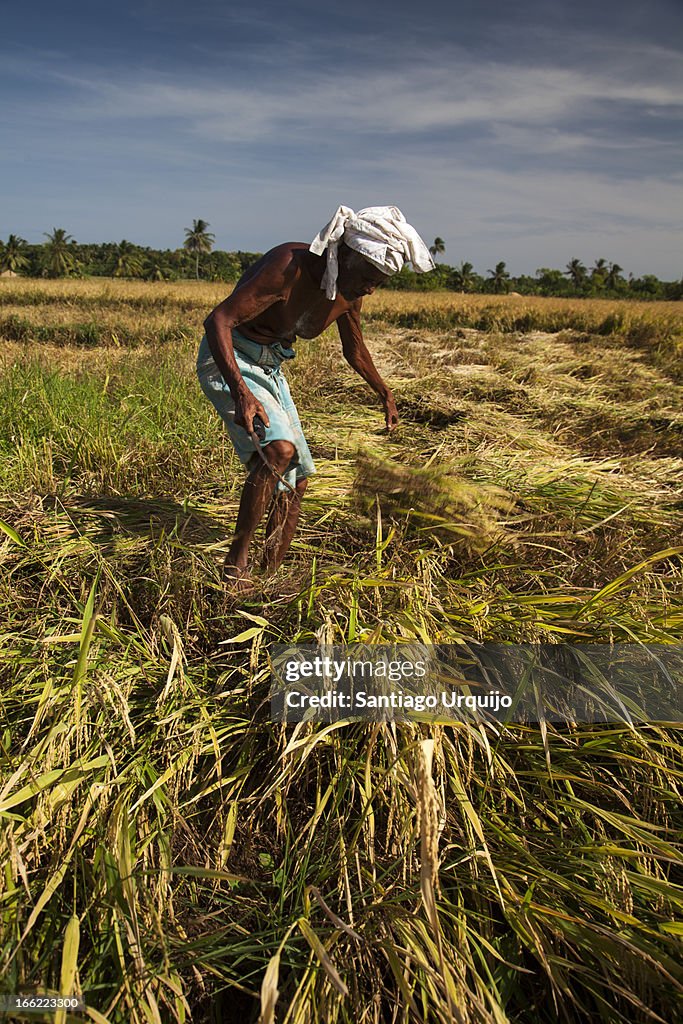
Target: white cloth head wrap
{"type": "Point", "coordinates": [379, 233]}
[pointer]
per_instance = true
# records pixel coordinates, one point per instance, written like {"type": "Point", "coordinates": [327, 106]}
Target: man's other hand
{"type": "Point", "coordinates": [390, 412]}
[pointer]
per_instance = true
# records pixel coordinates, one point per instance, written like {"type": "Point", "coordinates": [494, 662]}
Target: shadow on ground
{"type": "Point", "coordinates": [104, 518]}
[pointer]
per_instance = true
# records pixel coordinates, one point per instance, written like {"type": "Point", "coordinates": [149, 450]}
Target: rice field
{"type": "Point", "coordinates": [170, 854]}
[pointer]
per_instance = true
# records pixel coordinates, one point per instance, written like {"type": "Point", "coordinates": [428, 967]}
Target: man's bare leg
{"type": "Point", "coordinates": [257, 492]}
{"type": "Point", "coordinates": [281, 525]}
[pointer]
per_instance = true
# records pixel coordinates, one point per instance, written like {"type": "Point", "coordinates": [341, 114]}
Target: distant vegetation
{"type": "Point", "coordinates": [61, 256]}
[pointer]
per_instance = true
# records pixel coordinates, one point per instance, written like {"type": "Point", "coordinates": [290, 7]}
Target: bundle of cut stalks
{"type": "Point", "coordinates": [434, 500]}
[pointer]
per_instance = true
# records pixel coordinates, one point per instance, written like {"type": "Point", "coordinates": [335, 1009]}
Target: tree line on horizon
{"type": "Point", "coordinates": [60, 256]}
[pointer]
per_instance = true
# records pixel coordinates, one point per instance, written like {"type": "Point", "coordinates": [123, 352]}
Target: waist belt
{"type": "Point", "coordinates": [262, 355]}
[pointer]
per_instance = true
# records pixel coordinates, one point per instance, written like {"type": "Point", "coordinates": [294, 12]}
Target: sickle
{"type": "Point", "coordinates": [257, 445]}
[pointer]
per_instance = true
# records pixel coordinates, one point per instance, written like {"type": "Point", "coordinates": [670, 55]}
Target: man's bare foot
{"type": "Point", "coordinates": [237, 578]}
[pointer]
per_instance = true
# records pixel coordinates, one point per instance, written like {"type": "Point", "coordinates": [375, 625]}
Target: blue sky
{"type": "Point", "coordinates": [531, 132]}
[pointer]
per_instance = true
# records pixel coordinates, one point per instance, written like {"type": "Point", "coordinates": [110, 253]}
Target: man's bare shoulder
{"type": "Point", "coordinates": [282, 261]}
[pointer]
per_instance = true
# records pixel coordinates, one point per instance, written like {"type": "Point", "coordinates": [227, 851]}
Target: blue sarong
{"type": "Point", "coordinates": [260, 366]}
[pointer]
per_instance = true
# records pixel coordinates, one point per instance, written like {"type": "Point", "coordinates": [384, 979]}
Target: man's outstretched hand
{"type": "Point", "coordinates": [390, 412]}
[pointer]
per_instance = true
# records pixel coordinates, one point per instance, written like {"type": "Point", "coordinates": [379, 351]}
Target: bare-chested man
{"type": "Point", "coordinates": [295, 290]}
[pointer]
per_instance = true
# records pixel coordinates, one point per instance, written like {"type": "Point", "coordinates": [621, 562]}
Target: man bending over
{"type": "Point", "coordinates": [295, 290]}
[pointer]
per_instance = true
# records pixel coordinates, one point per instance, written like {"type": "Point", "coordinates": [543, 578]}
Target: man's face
{"type": "Point", "coordinates": [357, 276]}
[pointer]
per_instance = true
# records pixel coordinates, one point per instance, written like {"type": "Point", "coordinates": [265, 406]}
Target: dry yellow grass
{"type": "Point", "coordinates": [207, 294]}
{"type": "Point", "coordinates": [72, 291]}
{"type": "Point", "coordinates": [393, 301]}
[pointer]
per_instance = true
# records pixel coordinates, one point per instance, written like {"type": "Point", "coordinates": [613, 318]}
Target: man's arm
{"type": "Point", "coordinates": [268, 286]}
{"type": "Point", "coordinates": [358, 357]}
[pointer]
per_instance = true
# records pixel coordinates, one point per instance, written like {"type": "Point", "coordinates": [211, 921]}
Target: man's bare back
{"type": "Point", "coordinates": [304, 311]}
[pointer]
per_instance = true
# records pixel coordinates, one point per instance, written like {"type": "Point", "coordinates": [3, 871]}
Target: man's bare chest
{"type": "Point", "coordinates": [303, 314]}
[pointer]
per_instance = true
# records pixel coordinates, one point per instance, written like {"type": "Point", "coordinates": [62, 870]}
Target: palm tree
{"type": "Point", "coordinates": [599, 271]}
{"type": "Point", "coordinates": [128, 262]}
{"type": "Point", "coordinates": [198, 241]}
{"type": "Point", "coordinates": [612, 280]}
{"type": "Point", "coordinates": [577, 272]}
{"type": "Point", "coordinates": [463, 276]}
{"type": "Point", "coordinates": [11, 254]}
{"type": "Point", "coordinates": [439, 246]}
{"type": "Point", "coordinates": [499, 277]}
{"type": "Point", "coordinates": [59, 260]}
{"type": "Point", "coordinates": [155, 271]}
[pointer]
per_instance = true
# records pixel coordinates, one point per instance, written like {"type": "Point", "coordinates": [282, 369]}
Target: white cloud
{"type": "Point", "coordinates": [450, 90]}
